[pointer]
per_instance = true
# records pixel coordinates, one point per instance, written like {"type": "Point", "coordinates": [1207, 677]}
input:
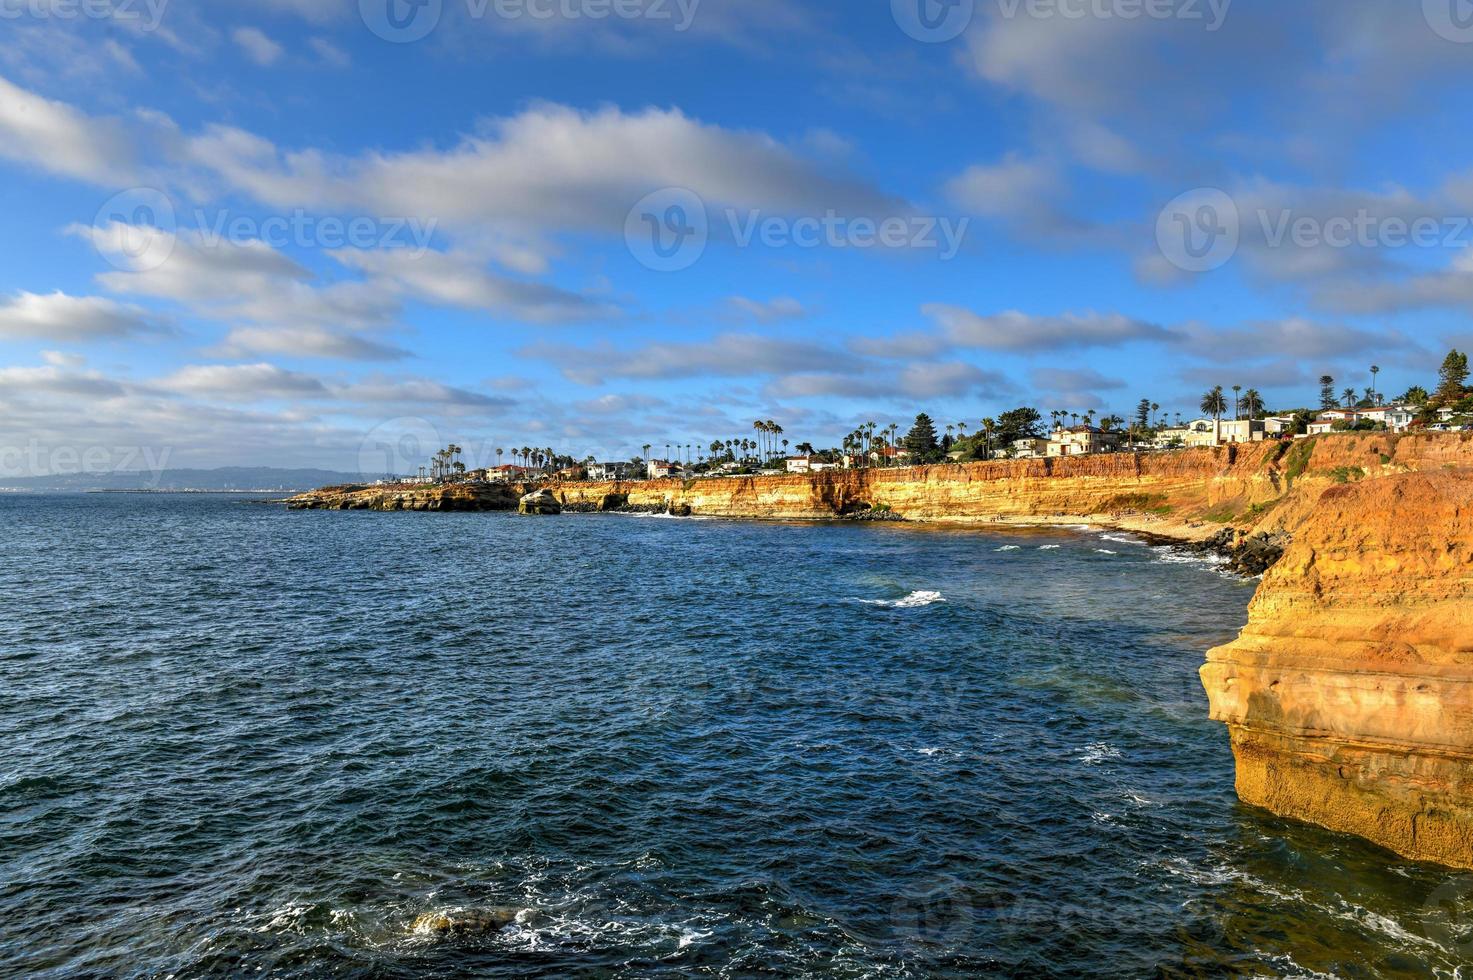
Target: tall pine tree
{"type": "Point", "coordinates": [1451, 378]}
{"type": "Point", "coordinates": [1327, 392]}
{"type": "Point", "coordinates": [921, 439]}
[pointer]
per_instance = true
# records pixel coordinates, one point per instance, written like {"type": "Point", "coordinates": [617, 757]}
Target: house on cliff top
{"type": "Point", "coordinates": [1081, 440]}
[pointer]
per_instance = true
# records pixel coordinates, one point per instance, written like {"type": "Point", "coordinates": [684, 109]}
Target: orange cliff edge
{"type": "Point", "coordinates": [1349, 694]}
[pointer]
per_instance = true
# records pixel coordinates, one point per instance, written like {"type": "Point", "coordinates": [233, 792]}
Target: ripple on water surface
{"type": "Point", "coordinates": [247, 741]}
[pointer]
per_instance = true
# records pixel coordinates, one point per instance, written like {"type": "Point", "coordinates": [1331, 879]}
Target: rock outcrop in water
{"type": "Point", "coordinates": [427, 497]}
{"type": "Point", "coordinates": [1349, 695]}
{"type": "Point", "coordinates": [539, 502]}
{"type": "Point", "coordinates": [472, 923]}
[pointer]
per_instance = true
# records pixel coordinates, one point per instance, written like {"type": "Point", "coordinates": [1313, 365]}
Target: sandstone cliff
{"type": "Point", "coordinates": [1349, 695]}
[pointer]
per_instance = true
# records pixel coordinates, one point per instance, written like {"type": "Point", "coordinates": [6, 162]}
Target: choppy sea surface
{"type": "Point", "coordinates": [236, 740]}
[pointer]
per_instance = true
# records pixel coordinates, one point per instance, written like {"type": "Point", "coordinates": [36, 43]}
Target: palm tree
{"type": "Point", "coordinates": [498, 457]}
{"type": "Point", "coordinates": [1375, 370]}
{"type": "Point", "coordinates": [1237, 403]}
{"type": "Point", "coordinates": [1348, 397]}
{"type": "Point", "coordinates": [1253, 403]}
{"type": "Point", "coordinates": [1214, 404]}
{"type": "Point", "coordinates": [1154, 409]}
{"type": "Point", "coordinates": [988, 425]}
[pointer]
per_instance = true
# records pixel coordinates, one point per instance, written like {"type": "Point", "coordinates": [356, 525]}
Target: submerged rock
{"type": "Point", "coordinates": [468, 923]}
{"type": "Point", "coordinates": [539, 502]}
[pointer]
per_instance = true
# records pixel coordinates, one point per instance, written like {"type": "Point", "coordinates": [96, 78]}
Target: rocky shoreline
{"type": "Point", "coordinates": [1349, 696]}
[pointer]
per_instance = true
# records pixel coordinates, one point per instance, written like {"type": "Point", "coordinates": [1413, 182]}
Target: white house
{"type": "Point", "coordinates": [808, 464]}
{"type": "Point", "coordinates": [659, 469]}
{"type": "Point", "coordinates": [1030, 448]}
{"type": "Point", "coordinates": [1397, 418]}
{"type": "Point", "coordinates": [611, 471]}
{"type": "Point", "coordinates": [1080, 441]}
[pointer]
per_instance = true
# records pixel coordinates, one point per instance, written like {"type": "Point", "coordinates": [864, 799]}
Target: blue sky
{"type": "Point", "coordinates": [1084, 202]}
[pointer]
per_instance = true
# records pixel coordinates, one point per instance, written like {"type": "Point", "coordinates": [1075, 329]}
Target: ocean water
{"type": "Point", "coordinates": [241, 741]}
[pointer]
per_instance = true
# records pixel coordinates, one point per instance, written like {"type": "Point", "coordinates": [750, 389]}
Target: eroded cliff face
{"type": "Point", "coordinates": [1349, 695]}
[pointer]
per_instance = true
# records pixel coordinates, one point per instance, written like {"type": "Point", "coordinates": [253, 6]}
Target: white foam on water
{"type": "Point", "coordinates": [1120, 538]}
{"type": "Point", "coordinates": [1105, 551]}
{"type": "Point", "coordinates": [1049, 547]}
{"type": "Point", "coordinates": [913, 601]}
{"type": "Point", "coordinates": [1011, 547]}
{"type": "Point", "coordinates": [1097, 752]}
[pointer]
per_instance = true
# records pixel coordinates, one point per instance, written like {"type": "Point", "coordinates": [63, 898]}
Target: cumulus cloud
{"type": "Point", "coordinates": [548, 168]}
{"type": "Point", "coordinates": [57, 316]}
{"type": "Point", "coordinates": [458, 280]}
{"type": "Point", "coordinates": [60, 139]}
{"type": "Point", "coordinates": [243, 382]}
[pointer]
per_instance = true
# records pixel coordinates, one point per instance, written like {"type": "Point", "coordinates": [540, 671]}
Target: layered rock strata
{"type": "Point", "coordinates": [1349, 694]}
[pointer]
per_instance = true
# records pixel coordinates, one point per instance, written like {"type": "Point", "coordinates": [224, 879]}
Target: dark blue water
{"type": "Point", "coordinates": [244, 741]}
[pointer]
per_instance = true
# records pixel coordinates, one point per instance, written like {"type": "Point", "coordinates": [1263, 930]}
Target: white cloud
{"type": "Point", "coordinates": [768, 311]}
{"type": "Point", "coordinates": [458, 280]}
{"type": "Point", "coordinates": [550, 168]}
{"type": "Point", "coordinates": [330, 54]}
{"type": "Point", "coordinates": [725, 355]}
{"type": "Point", "coordinates": [243, 382]}
{"type": "Point", "coordinates": [308, 341]}
{"type": "Point", "coordinates": [257, 46]}
{"type": "Point", "coordinates": [57, 316]}
{"type": "Point", "coordinates": [58, 138]}
{"type": "Point", "coordinates": [1015, 331]}
{"type": "Point", "coordinates": [1011, 186]}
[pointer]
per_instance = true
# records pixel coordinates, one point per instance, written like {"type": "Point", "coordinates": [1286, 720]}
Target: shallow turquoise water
{"type": "Point", "coordinates": [240, 740]}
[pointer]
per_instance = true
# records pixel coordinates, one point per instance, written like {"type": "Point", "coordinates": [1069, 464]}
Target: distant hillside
{"type": "Point", "coordinates": [225, 478]}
